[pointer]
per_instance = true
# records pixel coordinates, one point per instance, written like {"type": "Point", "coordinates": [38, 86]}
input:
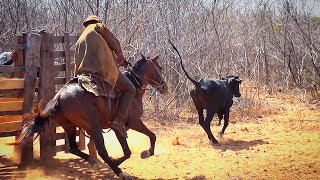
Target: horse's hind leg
{"type": "Point", "coordinates": [73, 147]}
{"type": "Point", "coordinates": [138, 125]}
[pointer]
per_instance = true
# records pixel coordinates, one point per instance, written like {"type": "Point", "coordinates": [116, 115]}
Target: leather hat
{"type": "Point", "coordinates": [92, 18]}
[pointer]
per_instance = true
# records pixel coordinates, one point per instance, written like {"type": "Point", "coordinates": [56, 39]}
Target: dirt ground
{"type": "Point", "coordinates": [278, 140]}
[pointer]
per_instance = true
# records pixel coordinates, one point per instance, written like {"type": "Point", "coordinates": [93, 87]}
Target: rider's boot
{"type": "Point", "coordinates": [128, 92]}
{"type": "Point", "coordinates": [119, 121]}
{"type": "Point", "coordinates": [118, 124]}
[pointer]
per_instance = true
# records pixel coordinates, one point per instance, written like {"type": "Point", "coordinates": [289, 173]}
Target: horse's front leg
{"type": "Point", "coordinates": [137, 125]}
{"type": "Point", "coordinates": [97, 137]}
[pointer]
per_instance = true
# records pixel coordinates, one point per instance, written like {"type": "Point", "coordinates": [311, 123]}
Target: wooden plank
{"type": "Point", "coordinates": [10, 126]}
{"type": "Point", "coordinates": [67, 59]}
{"type": "Point", "coordinates": [22, 39]}
{"type": "Point", "coordinates": [61, 54]}
{"type": "Point", "coordinates": [47, 92]}
{"type": "Point", "coordinates": [6, 118]}
{"type": "Point", "coordinates": [32, 62]}
{"type": "Point", "coordinates": [57, 39]}
{"type": "Point", "coordinates": [59, 67]}
{"type": "Point", "coordinates": [9, 113]}
{"type": "Point", "coordinates": [74, 39]}
{"type": "Point", "coordinates": [82, 140]}
{"type": "Point", "coordinates": [62, 147]}
{"type": "Point", "coordinates": [13, 46]}
{"type": "Point", "coordinates": [11, 106]}
{"type": "Point", "coordinates": [61, 135]}
{"type": "Point", "coordinates": [14, 83]}
{"type": "Point", "coordinates": [9, 69]}
{"type": "Point", "coordinates": [9, 133]}
{"type": "Point", "coordinates": [58, 54]}
{"type": "Point", "coordinates": [60, 80]}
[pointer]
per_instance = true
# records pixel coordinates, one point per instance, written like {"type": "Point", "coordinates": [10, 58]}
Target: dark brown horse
{"type": "Point", "coordinates": [74, 107]}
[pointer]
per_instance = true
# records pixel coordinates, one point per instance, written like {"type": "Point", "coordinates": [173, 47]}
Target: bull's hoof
{"type": "Point", "coordinates": [215, 143]}
{"type": "Point", "coordinates": [220, 134]}
{"type": "Point", "coordinates": [145, 154]}
{"type": "Point", "coordinates": [125, 176]}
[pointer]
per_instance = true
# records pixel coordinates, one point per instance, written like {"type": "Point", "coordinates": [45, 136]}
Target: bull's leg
{"type": "Point", "coordinates": [200, 116]}
{"type": "Point", "coordinates": [220, 116]}
{"type": "Point", "coordinates": [207, 127]}
{"type": "Point", "coordinates": [125, 148]}
{"type": "Point", "coordinates": [226, 122]}
{"type": "Point", "coordinates": [97, 137]}
{"type": "Point", "coordinates": [138, 125]}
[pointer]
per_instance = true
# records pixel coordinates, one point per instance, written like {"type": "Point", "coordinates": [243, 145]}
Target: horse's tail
{"type": "Point", "coordinates": [196, 83]}
{"type": "Point", "coordinates": [36, 122]}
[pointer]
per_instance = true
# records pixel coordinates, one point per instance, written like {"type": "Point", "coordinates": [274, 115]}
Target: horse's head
{"type": "Point", "coordinates": [148, 71]}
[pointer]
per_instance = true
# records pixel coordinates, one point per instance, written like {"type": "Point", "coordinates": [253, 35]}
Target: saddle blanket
{"type": "Point", "coordinates": [96, 85]}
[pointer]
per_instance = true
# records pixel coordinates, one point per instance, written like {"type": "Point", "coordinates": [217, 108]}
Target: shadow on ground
{"type": "Point", "coordinates": [55, 169]}
{"type": "Point", "coordinates": [238, 145]}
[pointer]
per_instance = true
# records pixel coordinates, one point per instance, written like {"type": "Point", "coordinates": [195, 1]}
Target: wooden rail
{"type": "Point", "coordinates": [34, 52]}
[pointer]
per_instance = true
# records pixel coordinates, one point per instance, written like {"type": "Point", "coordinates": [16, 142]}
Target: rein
{"type": "Point", "coordinates": [158, 85]}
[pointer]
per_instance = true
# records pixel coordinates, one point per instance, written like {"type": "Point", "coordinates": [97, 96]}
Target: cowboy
{"type": "Point", "coordinates": [8, 58]}
{"type": "Point", "coordinates": [99, 52]}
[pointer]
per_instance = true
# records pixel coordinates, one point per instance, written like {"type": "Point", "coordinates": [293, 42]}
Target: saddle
{"type": "Point", "coordinates": [96, 85]}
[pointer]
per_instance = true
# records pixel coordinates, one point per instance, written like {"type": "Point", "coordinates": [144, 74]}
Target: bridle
{"type": "Point", "coordinates": [157, 85]}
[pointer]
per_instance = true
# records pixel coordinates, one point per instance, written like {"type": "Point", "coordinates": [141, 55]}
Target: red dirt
{"type": "Point", "coordinates": [278, 140]}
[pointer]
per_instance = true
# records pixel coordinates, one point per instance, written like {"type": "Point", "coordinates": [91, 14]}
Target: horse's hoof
{"type": "Point", "coordinates": [125, 176]}
{"type": "Point", "coordinates": [95, 167]}
{"type": "Point", "coordinates": [145, 154]}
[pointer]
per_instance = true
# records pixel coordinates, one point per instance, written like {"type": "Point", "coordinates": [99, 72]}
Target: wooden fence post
{"type": "Point", "coordinates": [22, 39]}
{"type": "Point", "coordinates": [67, 59]}
{"type": "Point", "coordinates": [46, 93]}
{"type": "Point", "coordinates": [30, 76]}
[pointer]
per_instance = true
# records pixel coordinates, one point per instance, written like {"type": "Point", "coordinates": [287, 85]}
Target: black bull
{"type": "Point", "coordinates": [216, 96]}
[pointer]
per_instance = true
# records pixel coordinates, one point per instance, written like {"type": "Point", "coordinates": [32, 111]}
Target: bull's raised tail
{"type": "Point", "coordinates": [196, 83]}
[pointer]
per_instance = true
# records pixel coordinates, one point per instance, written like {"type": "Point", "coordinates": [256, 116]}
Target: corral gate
{"type": "Point", "coordinates": [49, 58]}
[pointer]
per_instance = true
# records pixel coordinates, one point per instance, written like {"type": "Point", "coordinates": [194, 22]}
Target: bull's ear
{"type": "Point", "coordinates": [237, 77]}
{"type": "Point", "coordinates": [155, 58]}
{"type": "Point", "coordinates": [231, 80]}
{"type": "Point", "coordinates": [143, 57]}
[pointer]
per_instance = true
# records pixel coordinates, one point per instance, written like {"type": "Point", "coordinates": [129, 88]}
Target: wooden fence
{"type": "Point", "coordinates": [48, 57]}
